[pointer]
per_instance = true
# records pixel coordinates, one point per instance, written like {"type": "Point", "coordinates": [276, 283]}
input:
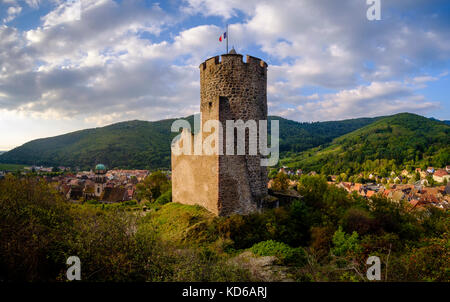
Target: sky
{"type": "Point", "coordinates": [67, 65]}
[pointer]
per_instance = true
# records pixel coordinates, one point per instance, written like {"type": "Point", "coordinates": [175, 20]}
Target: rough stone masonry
{"type": "Point", "coordinates": [230, 89]}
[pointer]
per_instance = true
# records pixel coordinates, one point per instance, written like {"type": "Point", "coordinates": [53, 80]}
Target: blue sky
{"type": "Point", "coordinates": [70, 65]}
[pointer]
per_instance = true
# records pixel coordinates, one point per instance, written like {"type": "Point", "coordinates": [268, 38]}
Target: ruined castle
{"type": "Point", "coordinates": [230, 89]}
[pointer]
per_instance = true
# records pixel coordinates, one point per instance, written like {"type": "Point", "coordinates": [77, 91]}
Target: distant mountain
{"type": "Point", "coordinates": [146, 145]}
{"type": "Point", "coordinates": [296, 137]}
{"type": "Point", "coordinates": [132, 144]}
{"type": "Point", "coordinates": [397, 140]}
{"type": "Point", "coordinates": [1, 152]}
{"type": "Point", "coordinates": [443, 121]}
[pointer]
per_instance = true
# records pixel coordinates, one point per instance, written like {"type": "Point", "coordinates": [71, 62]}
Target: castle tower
{"type": "Point", "coordinates": [230, 89]}
{"type": "Point", "coordinates": [100, 179]}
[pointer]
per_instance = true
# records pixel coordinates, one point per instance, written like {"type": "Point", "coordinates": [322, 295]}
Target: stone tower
{"type": "Point", "coordinates": [230, 89]}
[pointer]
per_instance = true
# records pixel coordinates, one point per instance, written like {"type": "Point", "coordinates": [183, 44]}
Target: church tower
{"type": "Point", "coordinates": [100, 179]}
{"type": "Point", "coordinates": [230, 89]}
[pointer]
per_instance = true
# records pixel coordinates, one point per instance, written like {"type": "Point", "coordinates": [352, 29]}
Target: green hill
{"type": "Point", "coordinates": [134, 144]}
{"type": "Point", "coordinates": [395, 141]}
{"type": "Point", "coordinates": [146, 145]}
{"type": "Point", "coordinates": [296, 137]}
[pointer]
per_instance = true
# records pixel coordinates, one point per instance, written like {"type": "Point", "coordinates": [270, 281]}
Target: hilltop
{"type": "Point", "coordinates": [398, 140]}
{"type": "Point", "coordinates": [146, 145]}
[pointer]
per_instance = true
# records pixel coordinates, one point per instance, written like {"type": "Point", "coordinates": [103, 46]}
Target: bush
{"type": "Point", "coordinates": [129, 203]}
{"type": "Point", "coordinates": [92, 201]}
{"type": "Point", "coordinates": [280, 182]}
{"type": "Point", "coordinates": [358, 220]}
{"type": "Point", "coordinates": [285, 253]}
{"type": "Point", "coordinates": [34, 224]}
{"type": "Point", "coordinates": [39, 231]}
{"type": "Point", "coordinates": [345, 243]}
{"type": "Point", "coordinates": [166, 197]}
{"type": "Point", "coordinates": [321, 241]}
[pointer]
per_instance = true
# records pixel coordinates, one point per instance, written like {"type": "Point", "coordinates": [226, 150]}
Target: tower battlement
{"type": "Point", "coordinates": [233, 59]}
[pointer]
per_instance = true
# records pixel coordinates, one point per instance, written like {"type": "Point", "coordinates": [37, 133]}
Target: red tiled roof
{"type": "Point", "coordinates": [370, 193]}
{"type": "Point", "coordinates": [414, 202]}
{"type": "Point", "coordinates": [440, 173]}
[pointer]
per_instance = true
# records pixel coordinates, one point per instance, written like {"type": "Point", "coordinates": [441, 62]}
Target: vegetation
{"type": "Point", "coordinates": [39, 231]}
{"type": "Point", "coordinates": [296, 137]}
{"type": "Point", "coordinates": [389, 144]}
{"type": "Point", "coordinates": [326, 236]}
{"type": "Point", "coordinates": [280, 182]}
{"type": "Point", "coordinates": [11, 167]}
{"type": "Point", "coordinates": [146, 145]}
{"type": "Point", "coordinates": [153, 187]}
{"type": "Point", "coordinates": [285, 253]}
{"type": "Point", "coordinates": [132, 144]}
{"type": "Point", "coordinates": [348, 147]}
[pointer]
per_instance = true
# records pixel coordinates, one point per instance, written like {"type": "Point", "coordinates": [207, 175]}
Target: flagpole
{"type": "Point", "coordinates": [227, 38]}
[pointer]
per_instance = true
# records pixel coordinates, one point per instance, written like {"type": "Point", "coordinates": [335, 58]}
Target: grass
{"type": "Point", "coordinates": [11, 167]}
{"type": "Point", "coordinates": [181, 224]}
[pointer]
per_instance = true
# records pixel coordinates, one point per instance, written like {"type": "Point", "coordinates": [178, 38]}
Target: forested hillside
{"type": "Point", "coordinates": [146, 145]}
{"type": "Point", "coordinates": [399, 140]}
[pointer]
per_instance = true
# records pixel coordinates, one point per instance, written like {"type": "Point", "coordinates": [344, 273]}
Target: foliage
{"type": "Point", "coordinates": [33, 227]}
{"type": "Point", "coordinates": [326, 236]}
{"type": "Point", "coordinates": [285, 253]}
{"type": "Point", "coordinates": [11, 167]}
{"type": "Point", "coordinates": [181, 224]}
{"type": "Point", "coordinates": [345, 243]}
{"type": "Point", "coordinates": [146, 145]}
{"type": "Point", "coordinates": [132, 144]}
{"type": "Point", "coordinates": [290, 226]}
{"type": "Point", "coordinates": [166, 197]}
{"type": "Point", "coordinates": [39, 231]}
{"type": "Point", "coordinates": [280, 182]}
{"type": "Point", "coordinates": [382, 146]}
{"type": "Point", "coordinates": [153, 186]}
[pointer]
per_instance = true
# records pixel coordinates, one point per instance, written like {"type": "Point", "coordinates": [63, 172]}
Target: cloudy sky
{"type": "Point", "coordinates": [68, 65]}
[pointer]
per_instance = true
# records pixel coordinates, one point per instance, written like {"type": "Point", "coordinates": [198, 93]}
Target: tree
{"type": "Point", "coordinates": [156, 184]}
{"type": "Point", "coordinates": [344, 243]}
{"type": "Point", "coordinates": [280, 182]}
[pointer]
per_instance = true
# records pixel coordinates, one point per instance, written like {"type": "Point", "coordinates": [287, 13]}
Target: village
{"type": "Point", "coordinates": [419, 188]}
{"type": "Point", "coordinates": [107, 186]}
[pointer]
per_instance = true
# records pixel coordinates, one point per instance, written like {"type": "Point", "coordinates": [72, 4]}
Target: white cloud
{"type": "Point", "coordinates": [33, 3]}
{"type": "Point", "coordinates": [225, 9]}
{"type": "Point", "coordinates": [100, 69]}
{"type": "Point", "coordinates": [68, 11]}
{"type": "Point", "coordinates": [376, 99]}
{"type": "Point", "coordinates": [13, 12]}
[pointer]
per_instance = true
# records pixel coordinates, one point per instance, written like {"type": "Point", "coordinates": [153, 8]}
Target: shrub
{"type": "Point", "coordinates": [34, 223]}
{"type": "Point", "coordinates": [129, 203]}
{"type": "Point", "coordinates": [166, 197]}
{"type": "Point", "coordinates": [280, 182]}
{"type": "Point", "coordinates": [285, 253]}
{"type": "Point", "coordinates": [92, 201]}
{"type": "Point", "coordinates": [345, 243]}
{"type": "Point", "coordinates": [358, 220]}
{"type": "Point", "coordinates": [321, 240]}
